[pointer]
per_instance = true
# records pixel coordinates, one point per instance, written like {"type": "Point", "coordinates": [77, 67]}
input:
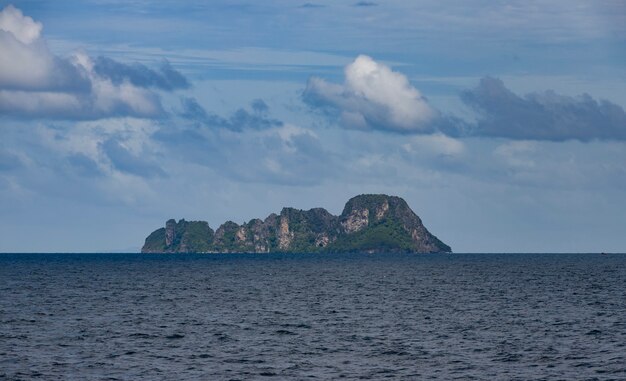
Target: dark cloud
{"type": "Point", "coordinates": [240, 120]}
{"type": "Point", "coordinates": [311, 5]}
{"type": "Point", "coordinates": [192, 110]}
{"type": "Point", "coordinates": [125, 161]}
{"type": "Point", "coordinates": [542, 116]}
{"type": "Point", "coordinates": [259, 106]}
{"type": "Point", "coordinates": [365, 4]}
{"type": "Point", "coordinates": [166, 78]}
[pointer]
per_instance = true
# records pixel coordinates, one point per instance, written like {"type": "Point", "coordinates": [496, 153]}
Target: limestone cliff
{"type": "Point", "coordinates": [368, 223]}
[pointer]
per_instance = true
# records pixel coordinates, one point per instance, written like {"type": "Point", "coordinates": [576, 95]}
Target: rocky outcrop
{"type": "Point", "coordinates": [181, 237]}
{"type": "Point", "coordinates": [170, 232]}
{"type": "Point", "coordinates": [368, 223]}
{"type": "Point", "coordinates": [355, 221]}
{"type": "Point", "coordinates": [284, 235]}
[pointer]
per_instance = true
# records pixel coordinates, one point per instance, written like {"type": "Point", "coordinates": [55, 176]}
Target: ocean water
{"type": "Point", "coordinates": [318, 317]}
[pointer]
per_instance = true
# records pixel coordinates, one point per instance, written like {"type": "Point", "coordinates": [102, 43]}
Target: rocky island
{"type": "Point", "coordinates": [368, 223]}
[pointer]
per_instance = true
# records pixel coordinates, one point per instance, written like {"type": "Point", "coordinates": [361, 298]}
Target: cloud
{"type": "Point", "coordinates": [285, 155]}
{"type": "Point", "coordinates": [104, 100]}
{"type": "Point", "coordinates": [542, 116]}
{"type": "Point", "coordinates": [372, 97]}
{"type": "Point", "coordinates": [31, 67]}
{"type": "Point", "coordinates": [311, 5]}
{"type": "Point", "coordinates": [192, 110]}
{"type": "Point", "coordinates": [517, 154]}
{"type": "Point", "coordinates": [240, 120]}
{"type": "Point", "coordinates": [24, 28]}
{"type": "Point", "coordinates": [140, 75]}
{"type": "Point", "coordinates": [365, 4]}
{"type": "Point", "coordinates": [35, 83]}
{"type": "Point", "coordinates": [84, 165]}
{"type": "Point", "coordinates": [126, 161]}
{"type": "Point", "coordinates": [259, 106]}
{"type": "Point", "coordinates": [436, 144]}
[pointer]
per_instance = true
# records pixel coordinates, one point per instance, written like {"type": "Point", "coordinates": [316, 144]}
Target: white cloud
{"type": "Point", "coordinates": [378, 84]}
{"type": "Point", "coordinates": [35, 83]}
{"type": "Point", "coordinates": [373, 97]}
{"type": "Point", "coordinates": [37, 103]}
{"type": "Point", "coordinates": [24, 28]}
{"type": "Point", "coordinates": [517, 154]}
{"type": "Point", "coordinates": [31, 66]}
{"type": "Point", "coordinates": [289, 133]}
{"type": "Point", "coordinates": [435, 144]}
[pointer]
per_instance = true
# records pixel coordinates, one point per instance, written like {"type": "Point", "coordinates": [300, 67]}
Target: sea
{"type": "Point", "coordinates": [312, 317]}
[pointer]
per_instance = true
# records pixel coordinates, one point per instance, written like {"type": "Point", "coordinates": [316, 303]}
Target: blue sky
{"type": "Point", "coordinates": [501, 123]}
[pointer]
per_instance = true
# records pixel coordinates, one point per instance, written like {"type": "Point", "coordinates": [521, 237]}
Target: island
{"type": "Point", "coordinates": [369, 223]}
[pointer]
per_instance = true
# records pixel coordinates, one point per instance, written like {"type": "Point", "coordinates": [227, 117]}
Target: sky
{"type": "Point", "coordinates": [501, 123]}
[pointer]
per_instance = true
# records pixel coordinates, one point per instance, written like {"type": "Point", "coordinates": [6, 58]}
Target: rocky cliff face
{"type": "Point", "coordinates": [368, 223]}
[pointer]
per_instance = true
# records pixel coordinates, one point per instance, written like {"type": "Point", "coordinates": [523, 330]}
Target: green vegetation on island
{"type": "Point", "coordinates": [368, 223]}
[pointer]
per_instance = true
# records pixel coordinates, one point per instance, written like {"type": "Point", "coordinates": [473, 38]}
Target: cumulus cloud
{"type": "Point", "coordinates": [32, 67]}
{"type": "Point", "coordinates": [542, 116]}
{"type": "Point", "coordinates": [104, 99]}
{"type": "Point", "coordinates": [240, 120]}
{"type": "Point", "coordinates": [24, 28]}
{"type": "Point", "coordinates": [35, 83]}
{"type": "Point", "coordinates": [372, 97]}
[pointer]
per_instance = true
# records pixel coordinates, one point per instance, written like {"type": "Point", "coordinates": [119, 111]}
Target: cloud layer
{"type": "Point", "coordinates": [240, 120]}
{"type": "Point", "coordinates": [166, 78]}
{"type": "Point", "coordinates": [543, 116]}
{"type": "Point", "coordinates": [35, 83]}
{"type": "Point", "coordinates": [124, 160]}
{"type": "Point", "coordinates": [373, 97]}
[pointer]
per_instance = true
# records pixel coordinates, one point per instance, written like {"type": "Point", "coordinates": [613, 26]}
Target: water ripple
{"type": "Point", "coordinates": [293, 317]}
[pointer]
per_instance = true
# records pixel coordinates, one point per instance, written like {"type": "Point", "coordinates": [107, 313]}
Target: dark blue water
{"type": "Point", "coordinates": [241, 317]}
